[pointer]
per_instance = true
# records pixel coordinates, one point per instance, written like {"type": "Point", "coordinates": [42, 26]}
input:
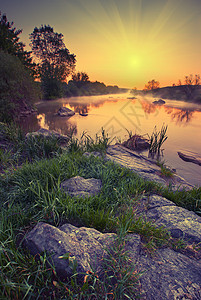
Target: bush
{"type": "Point", "coordinates": [17, 88]}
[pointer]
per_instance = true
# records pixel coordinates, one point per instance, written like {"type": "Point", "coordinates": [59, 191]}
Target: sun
{"type": "Point", "coordinates": [140, 40]}
{"type": "Point", "coordinates": [135, 61]}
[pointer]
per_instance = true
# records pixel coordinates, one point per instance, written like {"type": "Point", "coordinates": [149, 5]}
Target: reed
{"type": "Point", "coordinates": [157, 140]}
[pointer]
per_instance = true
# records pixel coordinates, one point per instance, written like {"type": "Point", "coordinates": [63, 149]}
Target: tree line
{"type": "Point", "coordinates": [40, 73]}
{"type": "Point", "coordinates": [188, 89]}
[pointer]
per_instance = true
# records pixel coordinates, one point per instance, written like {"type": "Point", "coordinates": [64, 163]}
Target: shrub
{"type": "Point", "coordinates": [17, 88]}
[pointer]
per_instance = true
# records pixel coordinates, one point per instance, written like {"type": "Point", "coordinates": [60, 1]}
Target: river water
{"type": "Point", "coordinates": [120, 113]}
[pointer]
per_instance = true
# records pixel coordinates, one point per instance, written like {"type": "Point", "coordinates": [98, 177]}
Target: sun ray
{"type": "Point", "coordinates": [135, 38]}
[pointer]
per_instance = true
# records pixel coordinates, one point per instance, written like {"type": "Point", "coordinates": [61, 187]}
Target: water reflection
{"type": "Point", "coordinates": [47, 112]}
{"type": "Point", "coordinates": [42, 122]}
{"type": "Point", "coordinates": [79, 108]}
{"type": "Point", "coordinates": [117, 114]}
{"type": "Point", "coordinates": [149, 108]}
{"type": "Point", "coordinates": [179, 115]}
{"type": "Point", "coordinates": [61, 125]}
{"type": "Point", "coordinates": [86, 104]}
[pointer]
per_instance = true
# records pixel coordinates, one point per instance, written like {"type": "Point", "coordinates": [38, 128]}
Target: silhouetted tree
{"type": "Point", "coordinates": [80, 76]}
{"type": "Point", "coordinates": [190, 85]}
{"type": "Point", "coordinates": [151, 85]}
{"type": "Point", "coordinates": [55, 63]}
{"type": "Point", "coordinates": [9, 43]}
{"type": "Point", "coordinates": [80, 79]}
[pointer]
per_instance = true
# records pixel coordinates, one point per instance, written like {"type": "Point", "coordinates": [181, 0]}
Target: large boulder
{"type": "Point", "coordinates": [48, 133]}
{"type": "Point", "coordinates": [181, 222]}
{"type": "Point", "coordinates": [166, 274]}
{"type": "Point", "coordinates": [68, 246]}
{"type": "Point", "coordinates": [81, 187]}
{"type": "Point", "coordinates": [65, 112]}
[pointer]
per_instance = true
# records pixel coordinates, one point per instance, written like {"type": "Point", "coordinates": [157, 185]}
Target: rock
{"type": "Point", "coordinates": [83, 245]}
{"type": "Point", "coordinates": [83, 114]}
{"type": "Point", "coordinates": [170, 275]}
{"type": "Point", "coordinates": [81, 187]}
{"type": "Point", "coordinates": [144, 167]}
{"type": "Point", "coordinates": [131, 98]}
{"type": "Point", "coordinates": [165, 275]}
{"type": "Point", "coordinates": [65, 112]}
{"type": "Point", "coordinates": [137, 142]}
{"type": "Point", "coordinates": [181, 222]}
{"type": "Point", "coordinates": [48, 133]}
{"type": "Point", "coordinates": [190, 157]}
{"type": "Point", "coordinates": [159, 102]}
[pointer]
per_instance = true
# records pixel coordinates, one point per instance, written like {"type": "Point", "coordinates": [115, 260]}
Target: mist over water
{"type": "Point", "coordinates": [121, 113]}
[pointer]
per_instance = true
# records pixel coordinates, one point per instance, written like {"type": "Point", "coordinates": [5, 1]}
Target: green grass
{"type": "Point", "coordinates": [30, 192]}
{"type": "Point", "coordinates": [165, 171]}
{"type": "Point", "coordinates": [190, 200]}
{"type": "Point", "coordinates": [157, 139]}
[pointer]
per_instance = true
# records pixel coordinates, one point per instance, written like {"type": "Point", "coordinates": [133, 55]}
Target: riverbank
{"type": "Point", "coordinates": [31, 193]}
{"type": "Point", "coordinates": [187, 93]}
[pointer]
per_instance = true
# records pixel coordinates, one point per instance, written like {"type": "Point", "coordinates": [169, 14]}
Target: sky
{"type": "Point", "coordinates": [120, 42]}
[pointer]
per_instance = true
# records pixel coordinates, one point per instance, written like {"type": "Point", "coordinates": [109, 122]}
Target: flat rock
{"type": "Point", "coordinates": [170, 275]}
{"type": "Point", "coordinates": [65, 112]}
{"type": "Point", "coordinates": [181, 222]}
{"type": "Point", "coordinates": [190, 157]}
{"type": "Point", "coordinates": [81, 187]}
{"type": "Point", "coordinates": [83, 245]}
{"type": "Point", "coordinates": [144, 167]}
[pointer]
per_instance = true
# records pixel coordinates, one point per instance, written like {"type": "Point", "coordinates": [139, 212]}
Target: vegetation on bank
{"type": "Point", "coordinates": [18, 89]}
{"type": "Point", "coordinates": [189, 90]}
{"type": "Point", "coordinates": [23, 81]}
{"type": "Point", "coordinates": [31, 170]}
{"type": "Point", "coordinates": [30, 192]}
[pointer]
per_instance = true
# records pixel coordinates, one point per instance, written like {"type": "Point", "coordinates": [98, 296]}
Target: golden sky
{"type": "Point", "coordinates": [120, 42]}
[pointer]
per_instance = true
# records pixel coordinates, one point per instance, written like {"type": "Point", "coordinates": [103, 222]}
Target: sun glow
{"type": "Point", "coordinates": [123, 42]}
{"type": "Point", "coordinates": [138, 39]}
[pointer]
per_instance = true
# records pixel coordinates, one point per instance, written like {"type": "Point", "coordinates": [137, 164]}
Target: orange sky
{"type": "Point", "coordinates": [122, 42]}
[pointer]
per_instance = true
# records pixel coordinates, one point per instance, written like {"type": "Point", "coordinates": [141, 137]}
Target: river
{"type": "Point", "coordinates": [120, 113]}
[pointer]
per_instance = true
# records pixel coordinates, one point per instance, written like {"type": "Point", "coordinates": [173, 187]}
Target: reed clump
{"type": "Point", "coordinates": [157, 139]}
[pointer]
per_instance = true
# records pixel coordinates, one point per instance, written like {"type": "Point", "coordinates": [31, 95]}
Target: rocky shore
{"type": "Point", "coordinates": [165, 274]}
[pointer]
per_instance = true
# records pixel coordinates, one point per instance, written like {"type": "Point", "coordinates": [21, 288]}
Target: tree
{"type": "Point", "coordinates": [179, 82]}
{"type": "Point", "coordinates": [190, 80]}
{"type": "Point", "coordinates": [151, 85]}
{"type": "Point", "coordinates": [190, 86]}
{"type": "Point", "coordinates": [17, 88]}
{"type": "Point", "coordinates": [9, 43]}
{"type": "Point", "coordinates": [80, 77]}
{"type": "Point", "coordinates": [55, 63]}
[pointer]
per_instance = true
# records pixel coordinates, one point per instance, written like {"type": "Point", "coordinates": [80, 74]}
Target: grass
{"type": "Point", "coordinates": [190, 200]}
{"type": "Point", "coordinates": [157, 139]}
{"type": "Point", "coordinates": [30, 192]}
{"type": "Point", "coordinates": [165, 171]}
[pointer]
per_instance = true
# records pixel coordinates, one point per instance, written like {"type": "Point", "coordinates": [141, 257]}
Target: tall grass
{"type": "Point", "coordinates": [31, 193]}
{"type": "Point", "coordinates": [157, 139]}
{"type": "Point", "coordinates": [87, 143]}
